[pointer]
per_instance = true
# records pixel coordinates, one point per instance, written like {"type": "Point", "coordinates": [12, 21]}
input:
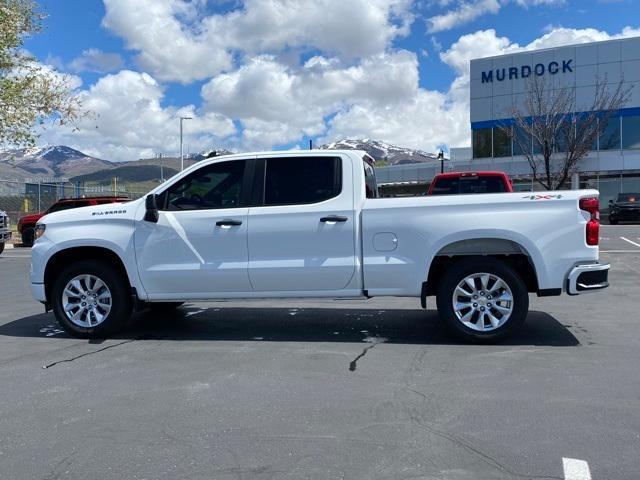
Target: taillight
{"type": "Point", "coordinates": [592, 205]}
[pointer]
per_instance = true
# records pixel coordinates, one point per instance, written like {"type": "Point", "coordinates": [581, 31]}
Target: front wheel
{"type": "Point", "coordinates": [91, 299]}
{"type": "Point", "coordinates": [482, 300]}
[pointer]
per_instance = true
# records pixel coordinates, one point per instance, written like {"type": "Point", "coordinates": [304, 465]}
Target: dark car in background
{"type": "Point", "coordinates": [626, 207]}
{"type": "Point", "coordinates": [27, 224]}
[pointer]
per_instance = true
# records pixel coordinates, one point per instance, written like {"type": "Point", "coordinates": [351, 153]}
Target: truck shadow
{"type": "Point", "coordinates": [299, 325]}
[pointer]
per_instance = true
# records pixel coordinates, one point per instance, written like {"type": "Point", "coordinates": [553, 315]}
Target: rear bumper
{"type": "Point", "coordinates": [588, 278]}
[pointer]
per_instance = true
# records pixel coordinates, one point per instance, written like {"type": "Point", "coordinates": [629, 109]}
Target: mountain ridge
{"type": "Point", "coordinates": [61, 161]}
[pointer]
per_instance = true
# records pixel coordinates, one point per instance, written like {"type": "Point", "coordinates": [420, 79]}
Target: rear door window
{"type": "Point", "coordinates": [302, 180]}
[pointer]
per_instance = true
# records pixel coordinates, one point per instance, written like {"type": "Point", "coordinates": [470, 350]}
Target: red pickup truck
{"type": "Point", "coordinates": [26, 225]}
{"type": "Point", "coordinates": [455, 183]}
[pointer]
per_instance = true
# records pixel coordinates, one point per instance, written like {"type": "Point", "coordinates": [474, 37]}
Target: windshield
{"type": "Point", "coordinates": [628, 197]}
{"type": "Point", "coordinates": [66, 206]}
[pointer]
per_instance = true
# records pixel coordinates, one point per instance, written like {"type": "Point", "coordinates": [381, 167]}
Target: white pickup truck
{"type": "Point", "coordinates": [311, 224]}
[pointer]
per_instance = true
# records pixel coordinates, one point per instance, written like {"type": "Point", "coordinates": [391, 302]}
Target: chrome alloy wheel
{"type": "Point", "coordinates": [86, 301]}
{"type": "Point", "coordinates": [482, 302]}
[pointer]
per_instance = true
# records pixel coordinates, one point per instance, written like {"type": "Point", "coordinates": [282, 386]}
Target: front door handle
{"type": "Point", "coordinates": [228, 223]}
{"type": "Point", "coordinates": [333, 218]}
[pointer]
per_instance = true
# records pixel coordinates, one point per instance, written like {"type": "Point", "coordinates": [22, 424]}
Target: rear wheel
{"type": "Point", "coordinates": [482, 300]}
{"type": "Point", "coordinates": [28, 237]}
{"type": "Point", "coordinates": [91, 299]}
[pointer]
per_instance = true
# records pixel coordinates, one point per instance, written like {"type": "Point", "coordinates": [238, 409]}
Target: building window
{"type": "Point", "coordinates": [631, 132]}
{"type": "Point", "coordinates": [565, 136]}
{"type": "Point", "coordinates": [521, 142]}
{"type": "Point", "coordinates": [610, 136]}
{"type": "Point", "coordinates": [581, 128]}
{"type": "Point", "coordinates": [501, 143]}
{"type": "Point", "coordinates": [482, 143]}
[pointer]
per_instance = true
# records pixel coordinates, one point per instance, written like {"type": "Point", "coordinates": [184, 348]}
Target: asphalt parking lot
{"type": "Point", "coordinates": [325, 390]}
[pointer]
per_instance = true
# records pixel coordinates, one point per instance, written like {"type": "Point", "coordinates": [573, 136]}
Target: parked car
{"type": "Point", "coordinates": [456, 183]}
{"type": "Point", "coordinates": [5, 229]}
{"type": "Point", "coordinates": [27, 224]}
{"type": "Point", "coordinates": [626, 207]}
{"type": "Point", "coordinates": [311, 224]}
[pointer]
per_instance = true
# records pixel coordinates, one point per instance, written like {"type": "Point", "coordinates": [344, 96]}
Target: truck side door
{"type": "Point", "coordinates": [198, 247]}
{"type": "Point", "coordinates": [301, 233]}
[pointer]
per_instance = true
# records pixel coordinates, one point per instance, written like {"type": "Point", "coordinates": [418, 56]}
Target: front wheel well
{"type": "Point", "coordinates": [520, 263]}
{"type": "Point", "coordinates": [62, 259]}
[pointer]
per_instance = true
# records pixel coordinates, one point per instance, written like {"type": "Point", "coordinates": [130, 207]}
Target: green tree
{"type": "Point", "coordinates": [30, 93]}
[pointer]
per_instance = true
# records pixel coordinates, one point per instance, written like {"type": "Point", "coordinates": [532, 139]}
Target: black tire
{"type": "Point", "coordinates": [164, 307]}
{"type": "Point", "coordinates": [1, 247]}
{"type": "Point", "coordinates": [474, 265]}
{"type": "Point", "coordinates": [28, 236]}
{"type": "Point", "coordinates": [121, 302]}
{"type": "Point", "coordinates": [613, 221]}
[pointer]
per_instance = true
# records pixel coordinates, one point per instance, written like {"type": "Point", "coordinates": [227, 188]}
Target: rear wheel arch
{"type": "Point", "coordinates": [510, 252]}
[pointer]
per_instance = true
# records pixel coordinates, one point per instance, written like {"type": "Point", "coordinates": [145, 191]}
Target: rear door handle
{"type": "Point", "coordinates": [228, 223]}
{"type": "Point", "coordinates": [333, 218]}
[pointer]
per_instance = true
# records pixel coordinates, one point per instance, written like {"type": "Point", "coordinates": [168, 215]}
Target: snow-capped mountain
{"type": "Point", "coordinates": [49, 161]}
{"type": "Point", "coordinates": [391, 154]}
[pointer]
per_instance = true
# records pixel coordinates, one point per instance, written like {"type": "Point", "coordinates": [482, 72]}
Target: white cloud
{"type": "Point", "coordinates": [129, 121]}
{"type": "Point", "coordinates": [468, 10]}
{"type": "Point", "coordinates": [465, 12]}
{"type": "Point", "coordinates": [177, 41]}
{"type": "Point", "coordinates": [274, 100]}
{"type": "Point", "coordinates": [97, 61]}
{"type": "Point", "coordinates": [286, 103]}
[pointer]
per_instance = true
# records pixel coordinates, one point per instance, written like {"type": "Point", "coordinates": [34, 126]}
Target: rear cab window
{"type": "Point", "coordinates": [371, 186]}
{"type": "Point", "coordinates": [469, 185]}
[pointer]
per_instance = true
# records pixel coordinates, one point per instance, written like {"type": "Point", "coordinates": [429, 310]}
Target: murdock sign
{"type": "Point", "coordinates": [525, 71]}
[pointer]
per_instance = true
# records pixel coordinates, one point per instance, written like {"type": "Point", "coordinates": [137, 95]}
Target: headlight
{"type": "Point", "coordinates": [40, 228]}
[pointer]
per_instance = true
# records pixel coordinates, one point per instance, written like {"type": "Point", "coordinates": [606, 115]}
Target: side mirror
{"type": "Point", "coordinates": [151, 205]}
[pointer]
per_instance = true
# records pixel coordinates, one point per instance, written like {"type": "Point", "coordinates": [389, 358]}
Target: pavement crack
{"type": "Point", "coordinates": [373, 341]}
{"type": "Point", "coordinates": [86, 354]}
{"type": "Point", "coordinates": [486, 458]}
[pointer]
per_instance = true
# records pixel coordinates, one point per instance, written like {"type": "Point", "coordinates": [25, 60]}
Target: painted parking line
{"type": "Point", "coordinates": [575, 469]}
{"type": "Point", "coordinates": [630, 241]}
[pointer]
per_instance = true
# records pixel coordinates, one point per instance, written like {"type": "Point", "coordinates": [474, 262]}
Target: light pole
{"type": "Point", "coordinates": [181, 151]}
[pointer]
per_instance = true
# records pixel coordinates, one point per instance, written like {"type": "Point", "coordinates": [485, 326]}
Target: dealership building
{"type": "Point", "coordinates": [498, 84]}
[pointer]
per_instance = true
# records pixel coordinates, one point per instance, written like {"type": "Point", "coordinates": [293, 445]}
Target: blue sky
{"type": "Point", "coordinates": [262, 74]}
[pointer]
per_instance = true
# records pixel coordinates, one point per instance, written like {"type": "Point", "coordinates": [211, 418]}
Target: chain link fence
{"type": "Point", "coordinates": [19, 198]}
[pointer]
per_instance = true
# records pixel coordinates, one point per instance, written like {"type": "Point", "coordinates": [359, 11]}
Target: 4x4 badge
{"type": "Point", "coordinates": [542, 197]}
